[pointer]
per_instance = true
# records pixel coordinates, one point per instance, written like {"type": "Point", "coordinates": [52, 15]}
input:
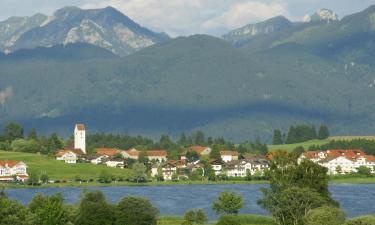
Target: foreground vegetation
{"type": "Point", "coordinates": [298, 194]}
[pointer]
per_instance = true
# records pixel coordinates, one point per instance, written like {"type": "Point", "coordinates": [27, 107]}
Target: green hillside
{"type": "Point", "coordinates": [291, 147]}
{"type": "Point", "coordinates": [57, 170]}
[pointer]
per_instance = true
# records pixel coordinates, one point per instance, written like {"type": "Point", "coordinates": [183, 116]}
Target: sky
{"type": "Point", "coordinates": [186, 17]}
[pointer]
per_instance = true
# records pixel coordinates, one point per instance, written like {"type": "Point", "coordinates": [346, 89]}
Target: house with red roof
{"type": "Point", "coordinates": [131, 154]}
{"type": "Point", "coordinates": [107, 151]}
{"type": "Point", "coordinates": [228, 156]}
{"type": "Point", "coordinates": [339, 161]}
{"type": "Point", "coordinates": [201, 150]}
{"type": "Point", "coordinates": [69, 155]}
{"type": "Point", "coordinates": [10, 170]}
{"type": "Point", "coordinates": [157, 155]}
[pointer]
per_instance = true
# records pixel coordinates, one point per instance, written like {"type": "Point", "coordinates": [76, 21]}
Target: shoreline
{"type": "Point", "coordinates": [354, 180]}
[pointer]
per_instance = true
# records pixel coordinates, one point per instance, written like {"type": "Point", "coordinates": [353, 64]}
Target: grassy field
{"type": "Point", "coordinates": [290, 147]}
{"type": "Point", "coordinates": [244, 219]}
{"type": "Point", "coordinates": [307, 144]}
{"type": "Point", "coordinates": [57, 170]}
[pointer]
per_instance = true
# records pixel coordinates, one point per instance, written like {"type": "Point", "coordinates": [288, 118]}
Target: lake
{"type": "Point", "coordinates": [355, 199]}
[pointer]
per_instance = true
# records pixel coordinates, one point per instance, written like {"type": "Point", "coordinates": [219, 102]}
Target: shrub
{"type": "Point", "coordinates": [136, 211]}
{"type": "Point", "coordinates": [325, 215]}
{"type": "Point", "coordinates": [361, 220]}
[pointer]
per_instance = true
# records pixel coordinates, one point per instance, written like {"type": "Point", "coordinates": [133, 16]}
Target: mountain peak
{"type": "Point", "coordinates": [274, 24]}
{"type": "Point", "coordinates": [325, 15]}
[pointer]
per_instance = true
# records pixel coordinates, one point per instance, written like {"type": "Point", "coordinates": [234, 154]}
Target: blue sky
{"type": "Point", "coordinates": [184, 17]}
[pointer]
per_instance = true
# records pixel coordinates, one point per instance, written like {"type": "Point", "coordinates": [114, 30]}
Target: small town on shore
{"type": "Point", "coordinates": [193, 160]}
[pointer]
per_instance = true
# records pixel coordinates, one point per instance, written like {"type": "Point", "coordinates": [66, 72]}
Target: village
{"type": "Point", "coordinates": [194, 159]}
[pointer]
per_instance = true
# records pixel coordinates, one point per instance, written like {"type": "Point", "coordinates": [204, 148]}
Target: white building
{"type": "Point", "coordinates": [340, 161]}
{"type": "Point", "coordinates": [228, 156]}
{"type": "Point", "coordinates": [98, 159]}
{"type": "Point", "coordinates": [130, 154]}
{"type": "Point", "coordinates": [157, 155]}
{"type": "Point", "coordinates": [80, 137]}
{"type": "Point", "coordinates": [217, 165]}
{"type": "Point", "coordinates": [10, 170]}
{"type": "Point", "coordinates": [240, 168]}
{"type": "Point", "coordinates": [69, 155]}
{"type": "Point", "coordinates": [167, 170]}
{"type": "Point", "coordinates": [115, 163]}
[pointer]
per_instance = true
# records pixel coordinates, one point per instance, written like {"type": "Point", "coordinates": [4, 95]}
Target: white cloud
{"type": "Point", "coordinates": [246, 12]}
{"type": "Point", "coordinates": [185, 17]}
{"type": "Point", "coordinates": [4, 94]}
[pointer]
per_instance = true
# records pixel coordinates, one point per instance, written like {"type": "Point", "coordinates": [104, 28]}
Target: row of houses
{"type": "Point", "coordinates": [250, 165]}
{"type": "Point", "coordinates": [341, 161]}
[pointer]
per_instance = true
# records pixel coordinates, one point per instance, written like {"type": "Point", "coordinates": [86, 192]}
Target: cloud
{"type": "Point", "coordinates": [185, 17]}
{"type": "Point", "coordinates": [246, 12]}
{"type": "Point", "coordinates": [6, 93]}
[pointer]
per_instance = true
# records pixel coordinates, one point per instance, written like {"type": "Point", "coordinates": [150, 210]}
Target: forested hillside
{"type": "Point", "coordinates": [202, 82]}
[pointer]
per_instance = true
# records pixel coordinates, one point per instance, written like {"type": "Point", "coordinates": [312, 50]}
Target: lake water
{"type": "Point", "coordinates": [355, 199]}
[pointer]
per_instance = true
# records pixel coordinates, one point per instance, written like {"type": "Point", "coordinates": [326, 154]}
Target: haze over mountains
{"type": "Point", "coordinates": [254, 79]}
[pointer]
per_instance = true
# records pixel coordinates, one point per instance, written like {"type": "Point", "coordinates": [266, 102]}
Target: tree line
{"type": "Point", "coordinates": [300, 133]}
{"type": "Point", "coordinates": [14, 138]}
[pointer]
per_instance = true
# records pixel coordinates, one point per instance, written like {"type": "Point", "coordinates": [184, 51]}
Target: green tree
{"type": "Point", "coordinates": [298, 150]}
{"type": "Point", "coordinates": [21, 145]}
{"type": "Point", "coordinates": [94, 210]}
{"type": "Point", "coordinates": [325, 215]}
{"type": "Point", "coordinates": [289, 206]}
{"type": "Point", "coordinates": [13, 131]}
{"type": "Point", "coordinates": [138, 172]}
{"type": "Point", "coordinates": [48, 210]}
{"type": "Point", "coordinates": [32, 134]}
{"type": "Point", "coordinates": [104, 177]}
{"type": "Point", "coordinates": [364, 170]}
{"type": "Point", "coordinates": [295, 188]}
{"type": "Point", "coordinates": [195, 216]}
{"type": "Point", "coordinates": [215, 153]}
{"type": "Point", "coordinates": [14, 213]}
{"type": "Point", "coordinates": [136, 211]}
{"type": "Point", "coordinates": [44, 178]}
{"type": "Point", "coordinates": [323, 132]}
{"type": "Point", "coordinates": [277, 137]}
{"type": "Point", "coordinates": [198, 138]}
{"type": "Point", "coordinates": [227, 203]}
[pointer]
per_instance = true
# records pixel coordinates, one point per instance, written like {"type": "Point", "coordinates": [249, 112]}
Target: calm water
{"type": "Point", "coordinates": [175, 200]}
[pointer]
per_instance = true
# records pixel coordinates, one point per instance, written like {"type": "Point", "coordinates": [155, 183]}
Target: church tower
{"type": "Point", "coordinates": [80, 137]}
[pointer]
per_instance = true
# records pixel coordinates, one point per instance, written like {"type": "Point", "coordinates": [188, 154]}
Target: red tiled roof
{"type": "Point", "coordinates": [76, 151]}
{"type": "Point", "coordinates": [232, 153]}
{"type": "Point", "coordinates": [198, 149]}
{"type": "Point", "coordinates": [80, 126]}
{"type": "Point", "coordinates": [132, 152]}
{"type": "Point", "coordinates": [107, 151]}
{"type": "Point", "coordinates": [370, 158]}
{"type": "Point", "coordinates": [9, 163]}
{"type": "Point", "coordinates": [347, 153]}
{"type": "Point", "coordinates": [154, 153]}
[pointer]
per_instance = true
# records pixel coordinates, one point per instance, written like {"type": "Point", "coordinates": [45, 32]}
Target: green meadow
{"type": "Point", "coordinates": [58, 170]}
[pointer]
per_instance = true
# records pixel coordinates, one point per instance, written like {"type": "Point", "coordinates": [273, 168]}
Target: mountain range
{"type": "Point", "coordinates": [263, 76]}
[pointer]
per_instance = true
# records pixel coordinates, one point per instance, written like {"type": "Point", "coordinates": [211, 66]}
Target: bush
{"type": "Point", "coordinates": [136, 211]}
{"type": "Point", "coordinates": [248, 219]}
{"type": "Point", "coordinates": [361, 220]}
{"type": "Point", "coordinates": [325, 215]}
{"type": "Point", "coordinates": [196, 216]}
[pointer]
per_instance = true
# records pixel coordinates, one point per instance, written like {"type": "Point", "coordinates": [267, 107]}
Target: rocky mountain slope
{"type": "Point", "coordinates": [106, 28]}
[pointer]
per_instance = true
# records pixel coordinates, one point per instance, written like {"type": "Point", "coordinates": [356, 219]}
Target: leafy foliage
{"type": "Point", "coordinates": [228, 203]}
